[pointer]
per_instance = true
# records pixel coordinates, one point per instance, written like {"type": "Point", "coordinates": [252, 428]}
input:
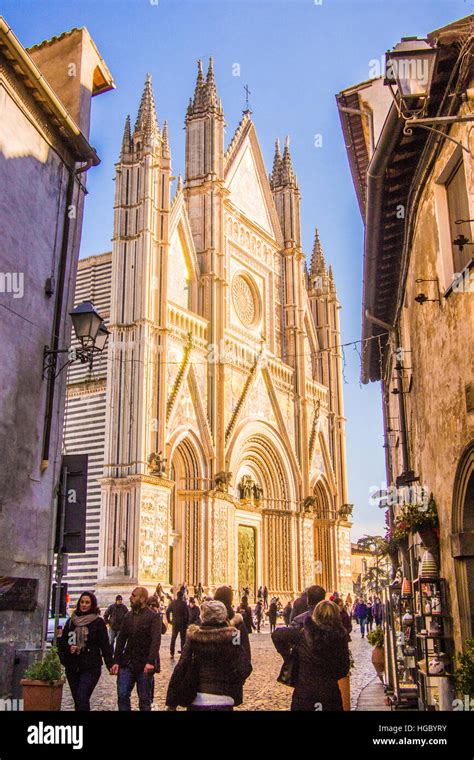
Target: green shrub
{"type": "Point", "coordinates": [464, 673]}
{"type": "Point", "coordinates": [376, 638]}
{"type": "Point", "coordinates": [48, 669]}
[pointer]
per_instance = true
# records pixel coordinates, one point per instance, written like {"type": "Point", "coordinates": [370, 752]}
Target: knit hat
{"type": "Point", "coordinates": [213, 613]}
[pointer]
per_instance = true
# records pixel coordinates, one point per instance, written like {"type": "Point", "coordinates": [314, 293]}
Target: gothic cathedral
{"type": "Point", "coordinates": [223, 437]}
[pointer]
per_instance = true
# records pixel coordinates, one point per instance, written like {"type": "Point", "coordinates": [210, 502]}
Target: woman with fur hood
{"type": "Point", "coordinates": [321, 651]}
{"type": "Point", "coordinates": [225, 595]}
{"type": "Point", "coordinates": [215, 660]}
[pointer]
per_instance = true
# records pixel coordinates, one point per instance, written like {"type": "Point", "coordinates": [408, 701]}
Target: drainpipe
{"type": "Point", "coordinates": [58, 307]}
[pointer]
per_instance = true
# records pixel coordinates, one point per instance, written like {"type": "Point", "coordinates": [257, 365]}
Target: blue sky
{"type": "Point", "coordinates": [295, 55]}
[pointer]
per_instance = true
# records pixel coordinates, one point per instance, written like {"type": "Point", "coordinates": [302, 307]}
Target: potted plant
{"type": "Point", "coordinates": [376, 639]}
{"type": "Point", "coordinates": [42, 684]}
{"type": "Point", "coordinates": [464, 672]}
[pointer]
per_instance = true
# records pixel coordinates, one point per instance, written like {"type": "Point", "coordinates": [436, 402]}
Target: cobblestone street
{"type": "Point", "coordinates": [261, 691]}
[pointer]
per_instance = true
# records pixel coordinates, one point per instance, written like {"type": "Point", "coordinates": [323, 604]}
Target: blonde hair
{"type": "Point", "coordinates": [326, 615]}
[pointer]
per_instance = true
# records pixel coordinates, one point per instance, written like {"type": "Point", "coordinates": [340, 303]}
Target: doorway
{"type": "Point", "coordinates": [247, 559]}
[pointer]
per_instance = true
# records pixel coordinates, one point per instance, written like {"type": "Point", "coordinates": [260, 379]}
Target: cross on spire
{"type": "Point", "coordinates": [247, 108]}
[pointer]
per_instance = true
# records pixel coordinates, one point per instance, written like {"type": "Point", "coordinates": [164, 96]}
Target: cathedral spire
{"type": "Point", "coordinates": [211, 91]}
{"type": "Point", "coordinates": [200, 89]}
{"type": "Point", "coordinates": [287, 173]}
{"type": "Point", "coordinates": [127, 137]}
{"type": "Point", "coordinates": [276, 172]}
{"type": "Point", "coordinates": [147, 121]}
{"type": "Point", "coordinates": [318, 264]}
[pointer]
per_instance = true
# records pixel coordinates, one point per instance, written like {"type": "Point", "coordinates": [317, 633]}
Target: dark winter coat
{"type": "Point", "coordinates": [114, 615]}
{"type": "Point", "coordinates": [346, 621]}
{"type": "Point", "coordinates": [97, 648]}
{"type": "Point", "coordinates": [177, 613]}
{"type": "Point", "coordinates": [194, 614]}
{"type": "Point", "coordinates": [323, 659]}
{"type": "Point", "coordinates": [222, 664]}
{"type": "Point", "coordinates": [377, 610]}
{"type": "Point", "coordinates": [361, 611]}
{"type": "Point", "coordinates": [300, 606]}
{"type": "Point", "coordinates": [139, 640]}
{"type": "Point", "coordinates": [287, 613]}
{"type": "Point", "coordinates": [236, 619]}
{"type": "Point", "coordinates": [246, 613]}
{"type": "Point", "coordinates": [272, 613]}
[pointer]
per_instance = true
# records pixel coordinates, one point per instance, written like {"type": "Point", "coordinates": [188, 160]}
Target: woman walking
{"type": "Point", "coordinates": [83, 645]}
{"type": "Point", "coordinates": [213, 661]}
{"type": "Point", "coordinates": [246, 612]}
{"type": "Point", "coordinates": [322, 655]}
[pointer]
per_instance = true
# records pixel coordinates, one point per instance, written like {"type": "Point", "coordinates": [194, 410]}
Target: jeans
{"type": "Point", "coordinates": [127, 678]}
{"type": "Point", "coordinates": [174, 635]}
{"type": "Point", "coordinates": [82, 684]}
{"type": "Point", "coordinates": [362, 622]}
{"type": "Point", "coordinates": [112, 636]}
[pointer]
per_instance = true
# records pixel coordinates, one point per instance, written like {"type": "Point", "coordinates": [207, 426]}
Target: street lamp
{"type": "Point", "coordinates": [86, 322]}
{"type": "Point", "coordinates": [410, 66]}
{"type": "Point", "coordinates": [91, 333]}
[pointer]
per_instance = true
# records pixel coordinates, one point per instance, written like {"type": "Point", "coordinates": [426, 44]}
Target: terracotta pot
{"type": "Point", "coordinates": [378, 661]}
{"type": "Point", "coordinates": [345, 689]}
{"type": "Point", "coordinates": [429, 537]}
{"type": "Point", "coordinates": [40, 695]}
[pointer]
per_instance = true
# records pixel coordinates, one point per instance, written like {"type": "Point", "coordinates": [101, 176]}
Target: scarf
{"type": "Point", "coordinates": [80, 623]}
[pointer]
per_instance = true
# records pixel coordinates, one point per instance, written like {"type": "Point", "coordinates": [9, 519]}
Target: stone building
{"type": "Point", "coordinates": [220, 411]}
{"type": "Point", "coordinates": [45, 96]}
{"type": "Point", "coordinates": [415, 189]}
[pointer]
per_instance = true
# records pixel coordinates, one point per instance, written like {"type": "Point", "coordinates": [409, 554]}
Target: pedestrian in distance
{"type": "Point", "coordinates": [246, 612]}
{"type": "Point", "coordinates": [260, 593]}
{"type": "Point", "coordinates": [321, 651]}
{"type": "Point", "coordinates": [259, 614]}
{"type": "Point", "coordinates": [265, 597]}
{"type": "Point", "coordinates": [137, 653]}
{"type": "Point", "coordinates": [272, 614]}
{"type": "Point", "coordinates": [193, 612]}
{"type": "Point", "coordinates": [370, 616]}
{"type": "Point", "coordinates": [345, 619]}
{"type": "Point", "coordinates": [177, 614]}
{"type": "Point", "coordinates": [314, 595]}
{"type": "Point", "coordinates": [82, 647]}
{"type": "Point", "coordinates": [361, 615]}
{"type": "Point", "coordinates": [377, 610]}
{"type": "Point", "coordinates": [113, 617]}
{"type": "Point", "coordinates": [287, 612]}
{"type": "Point", "coordinates": [300, 605]}
{"type": "Point", "coordinates": [225, 595]}
{"type": "Point", "coordinates": [214, 660]}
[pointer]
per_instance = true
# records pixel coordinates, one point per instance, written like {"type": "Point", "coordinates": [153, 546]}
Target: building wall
{"type": "Point", "coordinates": [440, 337]}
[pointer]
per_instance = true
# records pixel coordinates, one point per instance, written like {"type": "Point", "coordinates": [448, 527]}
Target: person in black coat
{"type": "Point", "coordinates": [322, 652]}
{"type": "Point", "coordinates": [246, 612]}
{"type": "Point", "coordinates": [225, 595]}
{"type": "Point", "coordinates": [113, 617]}
{"type": "Point", "coordinates": [272, 614]}
{"type": "Point", "coordinates": [287, 612]}
{"type": "Point", "coordinates": [137, 653]}
{"type": "Point", "coordinates": [219, 664]}
{"type": "Point", "coordinates": [193, 612]}
{"type": "Point", "coordinates": [83, 645]}
{"type": "Point", "coordinates": [177, 614]}
{"type": "Point", "coordinates": [300, 605]}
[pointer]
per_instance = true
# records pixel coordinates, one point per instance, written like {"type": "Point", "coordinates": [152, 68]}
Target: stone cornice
{"type": "Point", "coordinates": [152, 480]}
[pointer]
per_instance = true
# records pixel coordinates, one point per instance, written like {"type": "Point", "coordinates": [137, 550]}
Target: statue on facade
{"type": "Point", "coordinates": [309, 504]}
{"type": "Point", "coordinates": [246, 486]}
{"type": "Point", "coordinates": [345, 511]}
{"type": "Point", "coordinates": [157, 464]}
{"type": "Point", "coordinates": [222, 481]}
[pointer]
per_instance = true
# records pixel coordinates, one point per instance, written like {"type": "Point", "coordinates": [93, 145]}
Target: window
{"type": "Point", "coordinates": [458, 208]}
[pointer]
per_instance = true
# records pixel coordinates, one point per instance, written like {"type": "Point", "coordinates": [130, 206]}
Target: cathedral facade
{"type": "Point", "coordinates": [220, 453]}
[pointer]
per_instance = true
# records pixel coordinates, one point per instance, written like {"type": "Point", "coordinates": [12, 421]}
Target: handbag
{"type": "Point", "coordinates": [289, 670]}
{"type": "Point", "coordinates": [188, 686]}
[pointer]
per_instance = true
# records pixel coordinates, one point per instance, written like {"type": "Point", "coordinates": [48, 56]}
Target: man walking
{"type": "Point", "coordinates": [314, 595]}
{"type": "Point", "coordinates": [177, 614]}
{"type": "Point", "coordinates": [265, 597]}
{"type": "Point", "coordinates": [137, 653]}
{"type": "Point", "coordinates": [114, 616]}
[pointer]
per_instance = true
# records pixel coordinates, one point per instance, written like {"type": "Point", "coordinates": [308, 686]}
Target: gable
{"type": "Point", "coordinates": [246, 191]}
{"type": "Point", "coordinates": [179, 274]}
